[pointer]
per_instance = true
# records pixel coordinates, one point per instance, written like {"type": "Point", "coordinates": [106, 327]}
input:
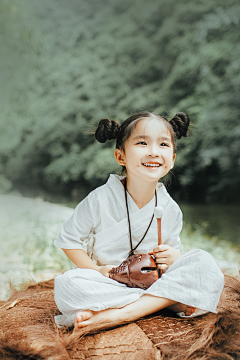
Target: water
{"type": "Point", "coordinates": [218, 220]}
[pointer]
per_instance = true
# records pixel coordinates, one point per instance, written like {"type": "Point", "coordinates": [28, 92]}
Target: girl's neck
{"type": "Point", "coordinates": [141, 192]}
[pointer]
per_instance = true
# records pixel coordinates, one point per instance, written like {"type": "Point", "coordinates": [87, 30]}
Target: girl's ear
{"type": "Point", "coordinates": [119, 156]}
{"type": "Point", "coordinates": [173, 160]}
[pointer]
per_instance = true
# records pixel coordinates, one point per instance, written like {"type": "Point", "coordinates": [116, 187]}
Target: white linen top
{"type": "Point", "coordinates": [99, 224]}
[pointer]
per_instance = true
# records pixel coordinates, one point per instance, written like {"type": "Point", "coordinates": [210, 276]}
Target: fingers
{"type": "Point", "coordinates": [161, 260]}
{"type": "Point", "coordinates": [162, 263]}
{"type": "Point", "coordinates": [108, 269]}
{"type": "Point", "coordinates": [162, 266]}
{"type": "Point", "coordinates": [159, 248]}
{"type": "Point", "coordinates": [161, 255]}
{"type": "Point", "coordinates": [165, 256]}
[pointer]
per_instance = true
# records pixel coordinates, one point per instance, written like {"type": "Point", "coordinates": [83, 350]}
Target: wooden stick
{"type": "Point", "coordinates": [158, 212]}
{"type": "Point", "coordinates": [159, 225]}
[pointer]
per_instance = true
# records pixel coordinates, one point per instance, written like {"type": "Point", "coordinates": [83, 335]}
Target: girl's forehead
{"type": "Point", "coordinates": [152, 127]}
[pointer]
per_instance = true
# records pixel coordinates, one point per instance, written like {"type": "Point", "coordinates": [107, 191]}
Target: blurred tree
{"type": "Point", "coordinates": [68, 64]}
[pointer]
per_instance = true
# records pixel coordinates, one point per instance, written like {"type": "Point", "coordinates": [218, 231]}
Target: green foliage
{"type": "Point", "coordinates": [68, 64]}
{"type": "Point", "coordinates": [5, 185]}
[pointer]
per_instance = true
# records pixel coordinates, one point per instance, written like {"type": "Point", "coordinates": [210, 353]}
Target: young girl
{"type": "Point", "coordinates": [97, 236]}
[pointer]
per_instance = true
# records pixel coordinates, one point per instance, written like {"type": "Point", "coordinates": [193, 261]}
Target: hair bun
{"type": "Point", "coordinates": [180, 123]}
{"type": "Point", "coordinates": [107, 130]}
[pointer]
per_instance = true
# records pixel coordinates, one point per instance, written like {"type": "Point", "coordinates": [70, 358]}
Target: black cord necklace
{"type": "Point", "coordinates": [129, 225]}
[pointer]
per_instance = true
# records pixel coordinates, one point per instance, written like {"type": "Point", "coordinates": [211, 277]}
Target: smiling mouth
{"type": "Point", "coordinates": [152, 165]}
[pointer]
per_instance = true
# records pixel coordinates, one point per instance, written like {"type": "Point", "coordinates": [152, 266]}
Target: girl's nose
{"type": "Point", "coordinates": [154, 151]}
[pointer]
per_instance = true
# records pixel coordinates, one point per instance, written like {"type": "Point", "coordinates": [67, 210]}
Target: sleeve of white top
{"type": "Point", "coordinates": [74, 233]}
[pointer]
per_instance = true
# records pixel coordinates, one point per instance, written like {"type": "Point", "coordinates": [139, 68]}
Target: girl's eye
{"type": "Point", "coordinates": [164, 144]}
{"type": "Point", "coordinates": [141, 143]}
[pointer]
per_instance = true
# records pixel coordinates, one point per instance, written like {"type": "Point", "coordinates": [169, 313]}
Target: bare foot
{"type": "Point", "coordinates": [82, 318]}
{"type": "Point", "coordinates": [178, 307]}
{"type": "Point", "coordinates": [96, 320]}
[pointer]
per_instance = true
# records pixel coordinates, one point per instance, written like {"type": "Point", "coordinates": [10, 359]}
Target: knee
{"type": "Point", "coordinates": [202, 257]}
{"type": "Point", "coordinates": [58, 283]}
{"type": "Point", "coordinates": [60, 291]}
{"type": "Point", "coordinates": [207, 261]}
{"type": "Point", "coordinates": [205, 256]}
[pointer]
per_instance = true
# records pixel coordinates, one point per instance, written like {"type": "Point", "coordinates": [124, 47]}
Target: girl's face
{"type": "Point", "coordinates": [148, 153]}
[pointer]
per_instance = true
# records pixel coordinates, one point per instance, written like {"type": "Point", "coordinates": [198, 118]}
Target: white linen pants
{"type": "Point", "coordinates": [194, 279]}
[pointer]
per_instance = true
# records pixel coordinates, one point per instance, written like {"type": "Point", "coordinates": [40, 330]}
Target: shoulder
{"type": "Point", "coordinates": [89, 208]}
{"type": "Point", "coordinates": [104, 192]}
{"type": "Point", "coordinates": [112, 185]}
{"type": "Point", "coordinates": [99, 191]}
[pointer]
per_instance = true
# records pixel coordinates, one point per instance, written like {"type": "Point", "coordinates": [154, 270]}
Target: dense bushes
{"type": "Point", "coordinates": [67, 64]}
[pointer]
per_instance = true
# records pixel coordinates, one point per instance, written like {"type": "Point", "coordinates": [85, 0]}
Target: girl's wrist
{"type": "Point", "coordinates": [104, 270]}
{"type": "Point", "coordinates": [101, 269]}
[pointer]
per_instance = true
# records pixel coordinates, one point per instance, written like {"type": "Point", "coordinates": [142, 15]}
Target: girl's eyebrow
{"type": "Point", "coordinates": [166, 138]}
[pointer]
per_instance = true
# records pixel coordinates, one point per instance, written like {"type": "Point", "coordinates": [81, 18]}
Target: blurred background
{"type": "Point", "coordinates": [66, 64]}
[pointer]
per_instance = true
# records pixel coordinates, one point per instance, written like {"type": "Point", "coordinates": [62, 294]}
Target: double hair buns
{"type": "Point", "coordinates": [107, 130]}
{"type": "Point", "coordinates": [180, 123]}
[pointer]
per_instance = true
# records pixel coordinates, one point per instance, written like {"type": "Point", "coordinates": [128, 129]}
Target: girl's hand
{"type": "Point", "coordinates": [104, 270]}
{"type": "Point", "coordinates": [165, 256]}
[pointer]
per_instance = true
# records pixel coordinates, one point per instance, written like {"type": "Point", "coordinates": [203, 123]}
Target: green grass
{"type": "Point", "coordinates": [28, 229]}
{"type": "Point", "coordinates": [197, 239]}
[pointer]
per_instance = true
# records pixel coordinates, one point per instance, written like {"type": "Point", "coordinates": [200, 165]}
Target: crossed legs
{"type": "Point", "coordinates": [94, 320]}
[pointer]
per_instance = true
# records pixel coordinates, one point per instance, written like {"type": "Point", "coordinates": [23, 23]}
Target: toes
{"type": "Point", "coordinates": [82, 324]}
{"type": "Point", "coordinates": [190, 310]}
{"type": "Point", "coordinates": [82, 316]}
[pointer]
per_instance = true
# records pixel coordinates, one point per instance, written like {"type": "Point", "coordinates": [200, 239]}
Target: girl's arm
{"type": "Point", "coordinates": [75, 231]}
{"type": "Point", "coordinates": [82, 260]}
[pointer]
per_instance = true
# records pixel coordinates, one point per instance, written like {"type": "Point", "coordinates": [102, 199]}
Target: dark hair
{"type": "Point", "coordinates": [110, 129]}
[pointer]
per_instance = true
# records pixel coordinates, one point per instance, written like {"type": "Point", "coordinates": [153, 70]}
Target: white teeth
{"type": "Point", "coordinates": [151, 165]}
